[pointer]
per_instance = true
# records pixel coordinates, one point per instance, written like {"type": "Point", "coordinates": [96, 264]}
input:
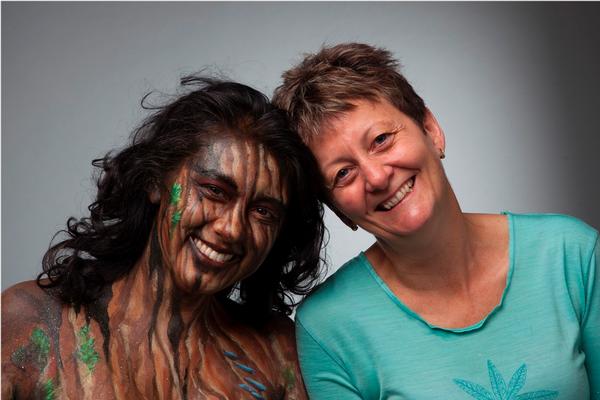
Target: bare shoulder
{"type": "Point", "coordinates": [26, 303]}
{"type": "Point", "coordinates": [29, 318]}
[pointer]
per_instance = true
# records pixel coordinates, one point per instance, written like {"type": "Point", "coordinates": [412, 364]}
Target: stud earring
{"type": "Point", "coordinates": [442, 154]}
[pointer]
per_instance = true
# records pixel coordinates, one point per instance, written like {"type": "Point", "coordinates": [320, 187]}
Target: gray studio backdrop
{"type": "Point", "coordinates": [514, 85]}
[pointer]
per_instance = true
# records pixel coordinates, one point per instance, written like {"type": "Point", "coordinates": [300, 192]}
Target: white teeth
{"type": "Point", "coordinates": [211, 253]}
{"type": "Point", "coordinates": [403, 191]}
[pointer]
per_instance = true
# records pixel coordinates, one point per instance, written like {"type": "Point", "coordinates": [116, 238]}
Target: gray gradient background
{"type": "Point", "coordinates": [515, 87]}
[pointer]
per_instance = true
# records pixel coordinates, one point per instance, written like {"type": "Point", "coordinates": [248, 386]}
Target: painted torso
{"type": "Point", "coordinates": [115, 349]}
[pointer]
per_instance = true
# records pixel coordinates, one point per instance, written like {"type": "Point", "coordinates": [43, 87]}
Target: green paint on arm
{"type": "Point", "coordinates": [36, 351]}
{"type": "Point", "coordinates": [87, 352]}
{"type": "Point", "coordinates": [49, 390]}
{"type": "Point", "coordinates": [290, 377]}
{"type": "Point", "coordinates": [41, 341]}
{"type": "Point", "coordinates": [19, 356]}
{"type": "Point", "coordinates": [175, 194]}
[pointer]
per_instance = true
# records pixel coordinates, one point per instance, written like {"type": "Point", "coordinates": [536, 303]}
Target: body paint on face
{"type": "Point", "coordinates": [174, 202]}
{"type": "Point", "coordinates": [87, 352]}
{"type": "Point", "coordinates": [223, 215]}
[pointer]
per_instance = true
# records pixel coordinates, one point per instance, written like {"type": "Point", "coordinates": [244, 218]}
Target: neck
{"type": "Point", "coordinates": [438, 256]}
{"type": "Point", "coordinates": [150, 287]}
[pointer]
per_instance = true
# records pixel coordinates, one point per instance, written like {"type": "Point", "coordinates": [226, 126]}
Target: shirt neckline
{"type": "Point", "coordinates": [473, 327]}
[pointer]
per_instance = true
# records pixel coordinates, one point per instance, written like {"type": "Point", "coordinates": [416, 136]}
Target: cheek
{"type": "Point", "coordinates": [350, 200]}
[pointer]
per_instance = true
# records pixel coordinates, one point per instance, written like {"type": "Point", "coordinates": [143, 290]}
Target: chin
{"type": "Point", "coordinates": [189, 281]}
{"type": "Point", "coordinates": [408, 222]}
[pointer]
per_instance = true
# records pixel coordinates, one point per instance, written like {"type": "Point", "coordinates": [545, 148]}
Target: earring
{"type": "Point", "coordinates": [442, 154]}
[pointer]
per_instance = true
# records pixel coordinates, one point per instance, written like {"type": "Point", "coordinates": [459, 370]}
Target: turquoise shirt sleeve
{"type": "Point", "coordinates": [591, 323]}
{"type": "Point", "coordinates": [324, 378]}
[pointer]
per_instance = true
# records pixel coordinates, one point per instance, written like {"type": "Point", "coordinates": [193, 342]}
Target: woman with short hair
{"type": "Point", "coordinates": [445, 304]}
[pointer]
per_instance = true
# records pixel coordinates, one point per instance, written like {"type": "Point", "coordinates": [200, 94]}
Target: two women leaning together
{"type": "Point", "coordinates": [207, 229]}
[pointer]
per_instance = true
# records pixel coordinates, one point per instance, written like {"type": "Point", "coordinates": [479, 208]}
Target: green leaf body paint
{"type": "Point", "coordinates": [175, 199]}
{"type": "Point", "coordinates": [290, 377]}
{"type": "Point", "coordinates": [86, 352]}
{"type": "Point", "coordinates": [174, 221]}
{"type": "Point", "coordinates": [49, 390]}
{"type": "Point", "coordinates": [41, 341]}
{"type": "Point", "coordinates": [175, 194]}
{"type": "Point", "coordinates": [36, 350]}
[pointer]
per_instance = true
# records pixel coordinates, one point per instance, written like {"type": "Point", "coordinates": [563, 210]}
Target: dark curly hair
{"type": "Point", "coordinates": [104, 246]}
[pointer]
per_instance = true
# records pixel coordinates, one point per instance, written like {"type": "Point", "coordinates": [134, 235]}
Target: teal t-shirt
{"type": "Point", "coordinates": [357, 340]}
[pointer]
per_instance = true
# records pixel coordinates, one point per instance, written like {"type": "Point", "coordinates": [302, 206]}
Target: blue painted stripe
{"type": "Point", "coordinates": [247, 388]}
{"type": "Point", "coordinates": [251, 390]}
{"type": "Point", "coordinates": [257, 396]}
{"type": "Point", "coordinates": [256, 384]}
{"type": "Point", "coordinates": [230, 354]}
{"type": "Point", "coordinates": [244, 367]}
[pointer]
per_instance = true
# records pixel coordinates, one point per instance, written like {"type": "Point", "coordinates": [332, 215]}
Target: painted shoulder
{"type": "Point", "coordinates": [30, 319]}
{"type": "Point", "coordinates": [27, 304]}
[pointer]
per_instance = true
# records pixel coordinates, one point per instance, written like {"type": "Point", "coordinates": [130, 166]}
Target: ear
{"type": "Point", "coordinates": [347, 221]}
{"type": "Point", "coordinates": [434, 131]}
{"type": "Point", "coordinates": [154, 194]}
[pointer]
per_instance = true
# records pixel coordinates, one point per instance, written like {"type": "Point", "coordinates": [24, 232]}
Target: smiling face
{"type": "Point", "coordinates": [222, 215]}
{"type": "Point", "coordinates": [383, 170]}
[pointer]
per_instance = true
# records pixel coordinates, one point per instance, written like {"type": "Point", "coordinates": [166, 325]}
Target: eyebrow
{"type": "Point", "coordinates": [376, 125]}
{"type": "Point", "coordinates": [217, 175]}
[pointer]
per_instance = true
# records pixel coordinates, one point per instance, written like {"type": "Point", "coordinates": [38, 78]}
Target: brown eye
{"type": "Point", "coordinates": [381, 139]}
{"type": "Point", "coordinates": [213, 191]}
{"type": "Point", "coordinates": [343, 177]}
{"type": "Point", "coordinates": [342, 173]}
{"type": "Point", "coordinates": [265, 214]}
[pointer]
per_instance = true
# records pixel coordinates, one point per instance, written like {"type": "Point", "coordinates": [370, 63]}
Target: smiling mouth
{"type": "Point", "coordinates": [210, 253]}
{"type": "Point", "coordinates": [405, 189]}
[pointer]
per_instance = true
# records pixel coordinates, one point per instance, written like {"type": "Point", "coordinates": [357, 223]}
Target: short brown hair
{"type": "Point", "coordinates": [325, 84]}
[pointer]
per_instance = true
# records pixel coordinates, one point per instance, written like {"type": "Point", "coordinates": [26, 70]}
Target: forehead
{"type": "Point", "coordinates": [363, 114]}
{"type": "Point", "coordinates": [249, 165]}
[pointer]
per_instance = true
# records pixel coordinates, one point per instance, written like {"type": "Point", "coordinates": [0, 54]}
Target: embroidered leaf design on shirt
{"type": "Point", "coordinates": [539, 395]}
{"type": "Point", "coordinates": [499, 389]}
{"type": "Point", "coordinates": [517, 381]}
{"type": "Point", "coordinates": [497, 381]}
{"type": "Point", "coordinates": [475, 390]}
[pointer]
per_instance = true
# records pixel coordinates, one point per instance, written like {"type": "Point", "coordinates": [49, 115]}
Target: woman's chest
{"type": "Point", "coordinates": [157, 365]}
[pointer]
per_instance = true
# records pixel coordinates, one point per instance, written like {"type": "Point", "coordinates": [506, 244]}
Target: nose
{"type": "Point", "coordinates": [376, 176]}
{"type": "Point", "coordinates": [229, 225]}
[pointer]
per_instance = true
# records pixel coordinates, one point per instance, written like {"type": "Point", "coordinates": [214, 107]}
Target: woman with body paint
{"type": "Point", "coordinates": [444, 304]}
{"type": "Point", "coordinates": [177, 285]}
